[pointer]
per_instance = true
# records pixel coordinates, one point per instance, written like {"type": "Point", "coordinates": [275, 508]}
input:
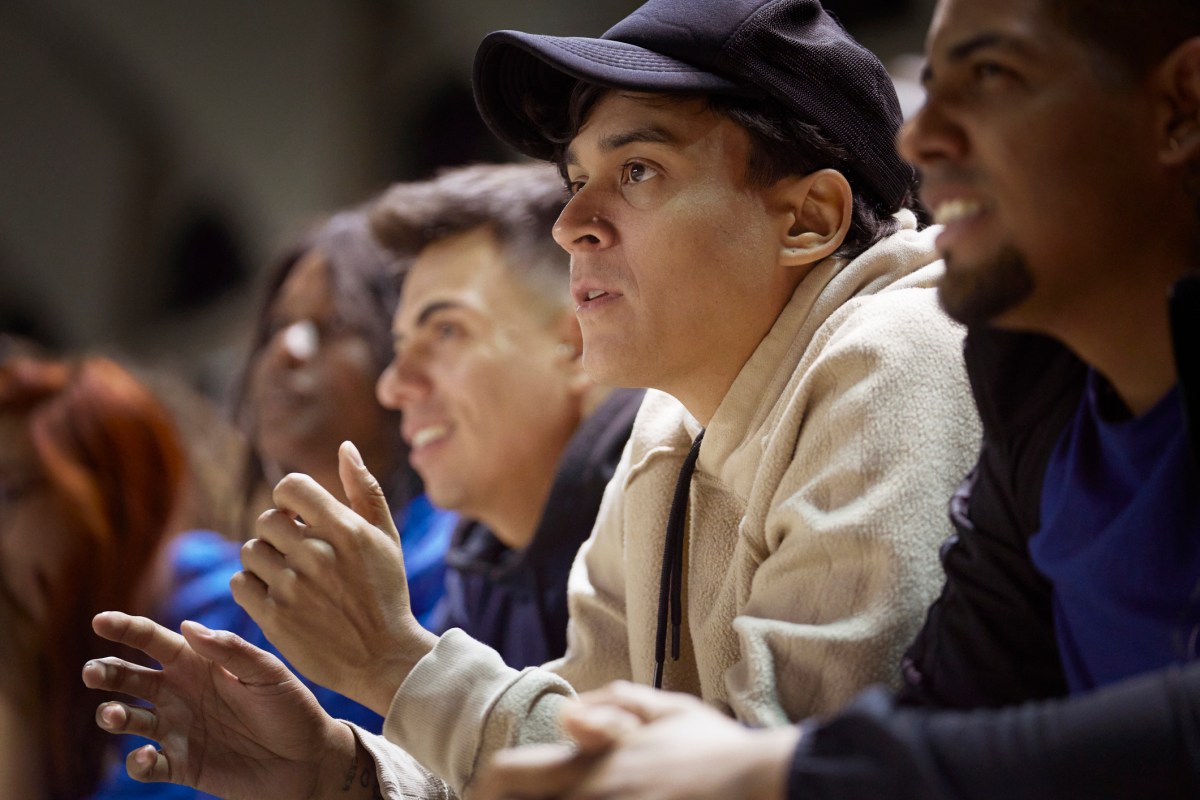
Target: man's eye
{"type": "Point", "coordinates": [990, 70]}
{"type": "Point", "coordinates": [637, 172]}
{"type": "Point", "coordinates": [446, 330]}
{"type": "Point", "coordinates": [573, 187]}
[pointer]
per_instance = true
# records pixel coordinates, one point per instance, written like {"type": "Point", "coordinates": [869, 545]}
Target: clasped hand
{"type": "Point", "coordinates": [326, 583]}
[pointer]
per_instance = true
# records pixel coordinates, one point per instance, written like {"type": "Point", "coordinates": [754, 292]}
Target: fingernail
{"type": "Point", "coordinates": [355, 456]}
{"type": "Point", "coordinates": [107, 717]}
{"type": "Point", "coordinates": [199, 628]}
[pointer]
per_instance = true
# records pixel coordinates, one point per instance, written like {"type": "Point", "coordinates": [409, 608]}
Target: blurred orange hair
{"type": "Point", "coordinates": [111, 455]}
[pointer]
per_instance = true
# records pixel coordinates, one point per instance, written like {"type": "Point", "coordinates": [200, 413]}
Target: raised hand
{"type": "Point", "coordinates": [229, 718]}
{"type": "Point", "coordinates": [327, 585]}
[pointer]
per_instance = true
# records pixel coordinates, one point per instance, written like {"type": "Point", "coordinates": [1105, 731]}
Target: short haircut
{"type": "Point", "coordinates": [519, 203]}
{"type": "Point", "coordinates": [781, 145]}
{"type": "Point", "coordinates": [1135, 40]}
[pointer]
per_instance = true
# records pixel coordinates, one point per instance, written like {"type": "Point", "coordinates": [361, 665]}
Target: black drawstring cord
{"type": "Point", "coordinates": [670, 588]}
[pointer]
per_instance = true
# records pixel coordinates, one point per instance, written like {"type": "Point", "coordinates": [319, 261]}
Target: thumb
{"type": "Point", "coordinates": [596, 728]}
{"type": "Point", "coordinates": [241, 659]}
{"type": "Point", "coordinates": [363, 491]}
{"type": "Point", "coordinates": [642, 702]}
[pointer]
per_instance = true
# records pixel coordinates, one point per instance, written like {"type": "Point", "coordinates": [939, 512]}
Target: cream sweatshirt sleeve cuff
{"type": "Point", "coordinates": [462, 702]}
{"type": "Point", "coordinates": [400, 776]}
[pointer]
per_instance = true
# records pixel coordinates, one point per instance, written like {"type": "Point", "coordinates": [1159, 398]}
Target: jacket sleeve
{"type": "Point", "coordinates": [1136, 739]}
{"type": "Point", "coordinates": [849, 562]}
{"type": "Point", "coordinates": [988, 640]}
{"type": "Point", "coordinates": [461, 702]}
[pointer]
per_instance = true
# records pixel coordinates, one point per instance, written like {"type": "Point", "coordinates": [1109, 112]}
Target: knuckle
{"type": "Point", "coordinates": [322, 554]}
{"type": "Point", "coordinates": [285, 587]}
{"type": "Point", "coordinates": [291, 483]}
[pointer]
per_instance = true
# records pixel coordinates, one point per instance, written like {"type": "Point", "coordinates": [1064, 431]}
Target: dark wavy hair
{"type": "Point", "coordinates": [365, 279]}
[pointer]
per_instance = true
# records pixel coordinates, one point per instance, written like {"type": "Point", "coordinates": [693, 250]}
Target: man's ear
{"type": "Point", "coordinates": [1179, 75]}
{"type": "Point", "coordinates": [814, 213]}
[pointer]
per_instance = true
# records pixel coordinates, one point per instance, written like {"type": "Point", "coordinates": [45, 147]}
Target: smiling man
{"type": "Point", "coordinates": [1060, 145]}
{"type": "Point", "coordinates": [503, 424]}
{"type": "Point", "coordinates": [741, 242]}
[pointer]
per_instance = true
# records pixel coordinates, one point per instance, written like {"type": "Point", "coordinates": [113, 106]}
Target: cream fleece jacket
{"type": "Point", "coordinates": [816, 512]}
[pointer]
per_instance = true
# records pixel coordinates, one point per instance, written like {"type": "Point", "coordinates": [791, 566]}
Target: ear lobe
{"type": "Point", "coordinates": [817, 210]}
{"type": "Point", "coordinates": [569, 350]}
{"type": "Point", "coordinates": [568, 354]}
{"type": "Point", "coordinates": [1181, 75]}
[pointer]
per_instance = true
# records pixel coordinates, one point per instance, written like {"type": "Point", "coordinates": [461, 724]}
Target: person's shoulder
{"type": "Point", "coordinates": [1022, 381]}
{"type": "Point", "coordinates": [898, 323]}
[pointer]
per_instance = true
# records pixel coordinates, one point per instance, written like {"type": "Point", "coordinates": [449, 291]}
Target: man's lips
{"type": "Point", "coordinates": [962, 216]}
{"type": "Point", "coordinates": [425, 435]}
{"type": "Point", "coordinates": [586, 295]}
{"type": "Point", "coordinates": [957, 209]}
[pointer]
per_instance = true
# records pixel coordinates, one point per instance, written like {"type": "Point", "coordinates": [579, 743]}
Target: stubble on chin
{"type": "Point", "coordinates": [977, 294]}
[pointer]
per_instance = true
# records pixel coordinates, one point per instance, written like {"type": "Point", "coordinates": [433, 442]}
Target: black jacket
{"type": "Point", "coordinates": [516, 600]}
{"type": "Point", "coordinates": [988, 648]}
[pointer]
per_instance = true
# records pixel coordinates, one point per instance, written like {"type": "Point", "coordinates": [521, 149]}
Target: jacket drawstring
{"type": "Point", "coordinates": [670, 588]}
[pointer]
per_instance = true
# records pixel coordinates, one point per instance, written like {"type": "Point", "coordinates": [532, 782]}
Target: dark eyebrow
{"type": "Point", "coordinates": [964, 50]}
{"type": "Point", "coordinates": [648, 133]}
{"type": "Point", "coordinates": [427, 312]}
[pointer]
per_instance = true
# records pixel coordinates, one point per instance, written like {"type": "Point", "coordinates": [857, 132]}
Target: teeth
{"type": "Point", "coordinates": [953, 210]}
{"type": "Point", "coordinates": [427, 435]}
{"type": "Point", "coordinates": [594, 293]}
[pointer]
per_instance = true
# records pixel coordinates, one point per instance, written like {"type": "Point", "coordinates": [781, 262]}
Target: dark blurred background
{"type": "Point", "coordinates": [155, 153]}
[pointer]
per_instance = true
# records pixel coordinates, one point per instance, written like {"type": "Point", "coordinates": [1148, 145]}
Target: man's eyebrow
{"type": "Point", "coordinates": [427, 312]}
{"type": "Point", "coordinates": [964, 50]}
{"type": "Point", "coordinates": [654, 134]}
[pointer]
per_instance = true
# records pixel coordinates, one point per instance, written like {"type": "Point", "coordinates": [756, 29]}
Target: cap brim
{"type": "Point", "coordinates": [517, 75]}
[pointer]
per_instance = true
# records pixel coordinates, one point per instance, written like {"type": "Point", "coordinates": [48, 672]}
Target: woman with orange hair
{"type": "Point", "coordinates": [91, 476]}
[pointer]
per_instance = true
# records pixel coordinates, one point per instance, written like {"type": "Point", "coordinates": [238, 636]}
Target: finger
{"type": "Point", "coordinates": [241, 659]}
{"type": "Point", "coordinates": [596, 728]}
{"type": "Point", "coordinates": [533, 772]}
{"type": "Point", "coordinates": [262, 558]}
{"type": "Point", "coordinates": [116, 717]}
{"type": "Point", "coordinates": [148, 764]}
{"type": "Point", "coordinates": [298, 495]}
{"type": "Point", "coordinates": [114, 675]}
{"type": "Point", "coordinates": [644, 702]}
{"type": "Point", "coordinates": [279, 529]}
{"type": "Point", "coordinates": [363, 490]}
{"type": "Point", "coordinates": [250, 593]}
{"type": "Point", "coordinates": [140, 633]}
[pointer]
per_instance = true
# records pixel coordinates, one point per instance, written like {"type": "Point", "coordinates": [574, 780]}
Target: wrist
{"type": "Point", "coordinates": [340, 765]}
{"type": "Point", "coordinates": [770, 761]}
{"type": "Point", "coordinates": [383, 685]}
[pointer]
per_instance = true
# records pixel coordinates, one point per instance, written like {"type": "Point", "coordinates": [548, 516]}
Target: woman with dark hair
{"type": "Point", "coordinates": [92, 475]}
{"type": "Point", "coordinates": [322, 339]}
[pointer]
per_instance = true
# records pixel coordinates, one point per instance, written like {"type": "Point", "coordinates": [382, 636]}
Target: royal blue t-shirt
{"type": "Point", "coordinates": [1120, 540]}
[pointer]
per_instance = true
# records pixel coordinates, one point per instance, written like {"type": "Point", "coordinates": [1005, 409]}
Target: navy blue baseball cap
{"type": "Point", "coordinates": [791, 51]}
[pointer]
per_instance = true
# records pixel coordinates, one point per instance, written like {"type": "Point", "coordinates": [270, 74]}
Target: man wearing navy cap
{"type": "Point", "coordinates": [741, 242]}
{"type": "Point", "coordinates": [1060, 147]}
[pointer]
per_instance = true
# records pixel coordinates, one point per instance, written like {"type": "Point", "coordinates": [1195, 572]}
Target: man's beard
{"type": "Point", "coordinates": [979, 293]}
